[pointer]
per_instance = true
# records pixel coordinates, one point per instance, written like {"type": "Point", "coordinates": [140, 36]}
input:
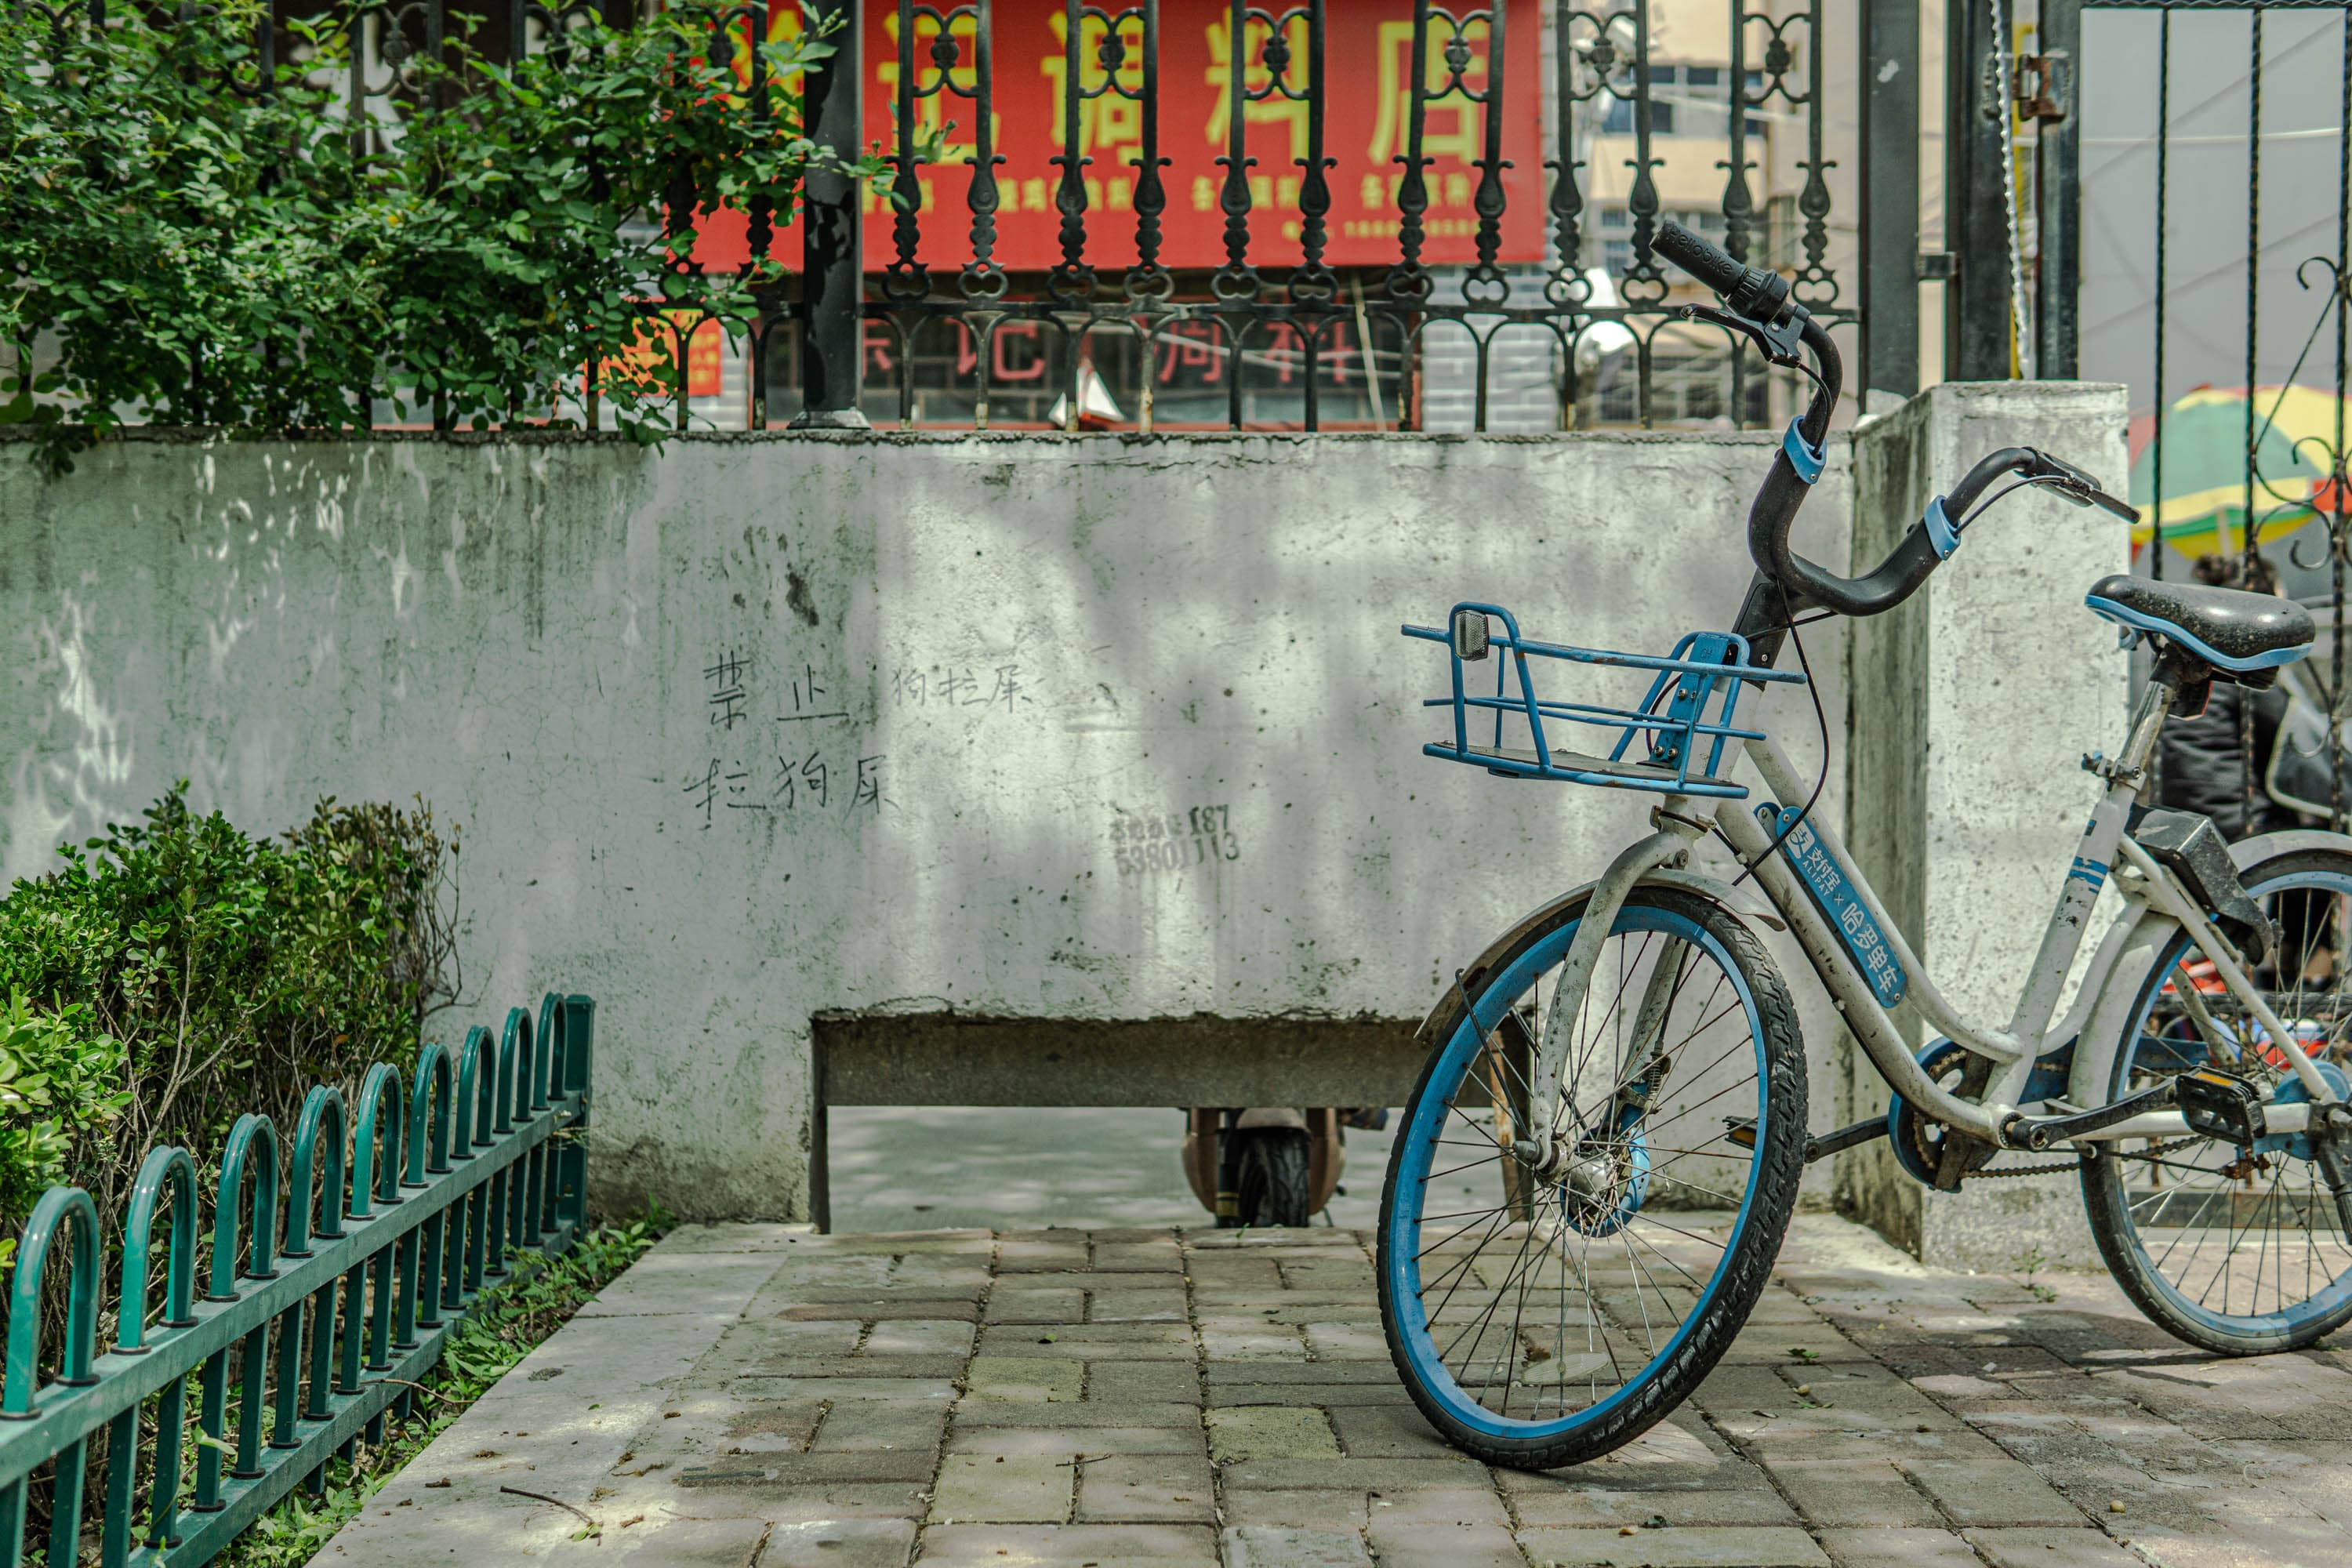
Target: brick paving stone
{"type": "Point", "coordinates": [1093, 1412]}
{"type": "Point", "coordinates": [868, 1310]}
{"type": "Point", "coordinates": [697, 1543]}
{"type": "Point", "coordinates": [1024, 1380]}
{"type": "Point", "coordinates": [1998, 1492]}
{"type": "Point", "coordinates": [1146, 1489]}
{"type": "Point", "coordinates": [1041, 1257]}
{"type": "Point", "coordinates": [1465, 1506]}
{"type": "Point", "coordinates": [840, 1544]}
{"type": "Point", "coordinates": [918, 1337]}
{"type": "Point", "coordinates": [2082, 1548]}
{"type": "Point", "coordinates": [1086, 1441]}
{"type": "Point", "coordinates": [1156, 1256]}
{"type": "Point", "coordinates": [931, 1368]}
{"type": "Point", "coordinates": [1142, 1383]}
{"type": "Point", "coordinates": [1226, 1340]}
{"type": "Point", "coordinates": [1104, 1545]}
{"type": "Point", "coordinates": [1269, 1393]}
{"type": "Point", "coordinates": [1852, 1492]}
{"type": "Point", "coordinates": [1011, 1304]}
{"type": "Point", "coordinates": [1881, 1548]}
{"type": "Point", "coordinates": [1210, 1272]}
{"type": "Point", "coordinates": [1158, 1304]}
{"type": "Point", "coordinates": [1134, 1391]}
{"type": "Point", "coordinates": [853, 1425]}
{"type": "Point", "coordinates": [1091, 1341]}
{"type": "Point", "coordinates": [1349, 1341]}
{"type": "Point", "coordinates": [1003, 1488]}
{"type": "Point", "coordinates": [1592, 1505]}
{"type": "Point", "coordinates": [1444, 1545]}
{"type": "Point", "coordinates": [1386, 1432]}
{"type": "Point", "coordinates": [1370, 1475]}
{"type": "Point", "coordinates": [1279, 1546]}
{"type": "Point", "coordinates": [806, 1469]}
{"type": "Point", "coordinates": [1298, 1509]}
{"type": "Point", "coordinates": [756, 1386]}
{"type": "Point", "coordinates": [1674, 1548]}
{"type": "Point", "coordinates": [1228, 1301]}
{"type": "Point", "coordinates": [1379, 1374]}
{"type": "Point", "coordinates": [1271, 1432]}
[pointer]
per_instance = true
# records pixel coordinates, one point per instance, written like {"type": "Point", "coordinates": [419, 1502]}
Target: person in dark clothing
{"type": "Point", "coordinates": [2203, 768]}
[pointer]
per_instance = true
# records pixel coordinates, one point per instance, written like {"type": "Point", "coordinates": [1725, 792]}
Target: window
{"type": "Point", "coordinates": [1664, 81]}
{"type": "Point", "coordinates": [1685, 100]}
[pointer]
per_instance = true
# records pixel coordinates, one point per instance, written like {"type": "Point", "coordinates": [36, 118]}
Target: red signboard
{"type": "Point", "coordinates": [1368, 60]}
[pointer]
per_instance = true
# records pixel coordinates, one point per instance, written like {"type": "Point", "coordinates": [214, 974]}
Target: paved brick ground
{"type": "Point", "coordinates": [754, 1395]}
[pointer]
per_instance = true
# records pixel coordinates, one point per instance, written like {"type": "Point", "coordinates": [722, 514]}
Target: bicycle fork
{"type": "Point", "coordinates": [1577, 1128]}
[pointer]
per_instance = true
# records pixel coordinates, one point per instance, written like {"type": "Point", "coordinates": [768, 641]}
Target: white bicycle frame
{"type": "Point", "coordinates": [2156, 906]}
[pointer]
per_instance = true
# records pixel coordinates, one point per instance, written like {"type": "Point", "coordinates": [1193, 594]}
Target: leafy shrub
{"type": "Point", "coordinates": [174, 974]}
{"type": "Point", "coordinates": [209, 256]}
{"type": "Point", "coordinates": [60, 1086]}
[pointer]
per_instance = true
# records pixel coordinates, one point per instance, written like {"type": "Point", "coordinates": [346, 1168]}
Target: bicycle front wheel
{"type": "Point", "coordinates": [1544, 1320]}
{"type": "Point", "coordinates": [2238, 1250]}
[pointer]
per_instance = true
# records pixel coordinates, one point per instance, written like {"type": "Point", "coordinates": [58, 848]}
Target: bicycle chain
{"type": "Point", "coordinates": [2060, 1166]}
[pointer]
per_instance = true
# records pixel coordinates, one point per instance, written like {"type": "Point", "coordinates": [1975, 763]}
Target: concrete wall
{"type": "Point", "coordinates": [1026, 643]}
{"type": "Point", "coordinates": [1973, 705]}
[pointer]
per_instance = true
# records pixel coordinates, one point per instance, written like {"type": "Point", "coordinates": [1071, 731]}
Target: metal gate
{"type": "Point", "coordinates": [2150, 132]}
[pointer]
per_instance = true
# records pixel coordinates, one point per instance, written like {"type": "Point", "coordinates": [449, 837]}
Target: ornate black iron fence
{"type": "Point", "coordinates": [1097, 252]}
{"type": "Point", "coordinates": [1274, 321]}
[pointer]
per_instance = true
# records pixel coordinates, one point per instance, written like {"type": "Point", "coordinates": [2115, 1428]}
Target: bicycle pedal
{"type": "Point", "coordinates": [1739, 1130]}
{"type": "Point", "coordinates": [2219, 1104]}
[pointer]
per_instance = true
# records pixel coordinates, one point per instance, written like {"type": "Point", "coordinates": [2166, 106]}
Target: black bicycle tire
{"type": "Point", "coordinates": [1755, 1248]}
{"type": "Point", "coordinates": [1272, 1161]}
{"type": "Point", "coordinates": [2103, 1188]}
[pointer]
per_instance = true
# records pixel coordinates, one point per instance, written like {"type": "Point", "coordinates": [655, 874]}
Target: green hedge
{"type": "Point", "coordinates": [172, 974]}
{"type": "Point", "coordinates": [206, 256]}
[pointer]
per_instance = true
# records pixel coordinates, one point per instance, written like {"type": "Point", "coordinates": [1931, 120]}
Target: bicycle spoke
{"type": "Point", "coordinates": [1540, 1300]}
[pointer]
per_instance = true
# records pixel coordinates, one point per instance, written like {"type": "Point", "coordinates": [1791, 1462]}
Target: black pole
{"type": "Point", "coordinates": [1890, 197]}
{"type": "Point", "coordinates": [2059, 152]}
{"type": "Point", "coordinates": [1976, 211]}
{"type": "Point", "coordinates": [832, 323]}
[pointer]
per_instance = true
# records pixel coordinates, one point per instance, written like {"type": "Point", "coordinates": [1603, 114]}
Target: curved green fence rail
{"type": "Point", "coordinates": [332, 1295]}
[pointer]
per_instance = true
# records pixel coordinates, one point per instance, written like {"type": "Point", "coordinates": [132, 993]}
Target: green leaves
{"type": "Point", "coordinates": [60, 1079]}
{"type": "Point", "coordinates": [205, 256]}
{"type": "Point", "coordinates": [173, 973]}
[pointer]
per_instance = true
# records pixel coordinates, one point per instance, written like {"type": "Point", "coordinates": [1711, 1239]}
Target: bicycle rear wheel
{"type": "Point", "coordinates": [2240, 1251]}
{"type": "Point", "coordinates": [1539, 1323]}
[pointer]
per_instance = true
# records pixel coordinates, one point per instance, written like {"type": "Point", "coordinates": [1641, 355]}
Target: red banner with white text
{"type": "Point", "coordinates": [1368, 64]}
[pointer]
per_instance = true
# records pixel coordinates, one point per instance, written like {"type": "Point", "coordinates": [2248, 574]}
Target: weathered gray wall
{"type": "Point", "coordinates": [1973, 705]}
{"type": "Point", "coordinates": [526, 632]}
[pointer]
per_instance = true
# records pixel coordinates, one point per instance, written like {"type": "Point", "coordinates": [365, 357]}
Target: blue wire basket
{"type": "Point", "coordinates": [1681, 738]}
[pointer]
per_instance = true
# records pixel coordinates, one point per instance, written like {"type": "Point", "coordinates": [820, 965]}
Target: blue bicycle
{"type": "Point", "coordinates": [1594, 1173]}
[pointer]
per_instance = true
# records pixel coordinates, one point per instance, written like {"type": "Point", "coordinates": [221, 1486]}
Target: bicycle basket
{"type": "Point", "coordinates": [1682, 742]}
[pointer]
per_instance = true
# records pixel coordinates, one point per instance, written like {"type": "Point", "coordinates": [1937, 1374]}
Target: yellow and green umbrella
{"type": "Point", "coordinates": [2203, 508]}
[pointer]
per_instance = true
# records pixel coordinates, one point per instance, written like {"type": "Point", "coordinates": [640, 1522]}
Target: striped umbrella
{"type": "Point", "coordinates": [2203, 457]}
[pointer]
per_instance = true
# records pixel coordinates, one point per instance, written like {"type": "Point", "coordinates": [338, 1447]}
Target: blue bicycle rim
{"type": "Point", "coordinates": [1419, 1145]}
{"type": "Point", "coordinates": [2246, 1325]}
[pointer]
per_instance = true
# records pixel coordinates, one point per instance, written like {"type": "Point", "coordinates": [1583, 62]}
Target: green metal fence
{"type": "Point", "coordinates": [331, 1293]}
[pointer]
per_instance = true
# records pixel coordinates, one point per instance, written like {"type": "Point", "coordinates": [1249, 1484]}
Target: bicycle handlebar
{"type": "Point", "coordinates": [1759, 298]}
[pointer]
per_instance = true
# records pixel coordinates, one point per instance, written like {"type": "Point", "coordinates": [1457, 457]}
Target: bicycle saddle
{"type": "Point", "coordinates": [2233, 630]}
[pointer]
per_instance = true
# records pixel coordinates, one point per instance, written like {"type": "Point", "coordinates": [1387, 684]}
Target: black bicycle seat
{"type": "Point", "coordinates": [2229, 628]}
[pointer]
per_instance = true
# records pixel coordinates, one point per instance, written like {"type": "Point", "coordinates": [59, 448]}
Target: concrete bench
{"type": "Point", "coordinates": [954, 1058]}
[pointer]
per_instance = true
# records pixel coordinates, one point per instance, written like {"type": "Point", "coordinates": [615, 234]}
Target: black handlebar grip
{"type": "Point", "coordinates": [1710, 264]}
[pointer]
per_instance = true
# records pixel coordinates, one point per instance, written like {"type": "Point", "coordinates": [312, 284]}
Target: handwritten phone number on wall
{"type": "Point", "coordinates": [1142, 843]}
